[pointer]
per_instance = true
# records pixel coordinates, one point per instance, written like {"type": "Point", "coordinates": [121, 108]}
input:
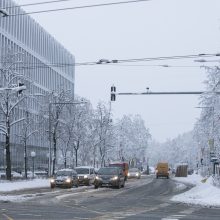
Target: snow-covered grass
{"type": "Point", "coordinates": [203, 193]}
{"type": "Point", "coordinates": [6, 186]}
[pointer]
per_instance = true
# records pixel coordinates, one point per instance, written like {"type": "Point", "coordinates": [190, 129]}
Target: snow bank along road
{"type": "Point", "coordinates": [147, 198]}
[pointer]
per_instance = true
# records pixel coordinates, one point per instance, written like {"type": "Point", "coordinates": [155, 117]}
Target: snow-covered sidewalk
{"type": "Point", "coordinates": [203, 193]}
{"type": "Point", "coordinates": [6, 186]}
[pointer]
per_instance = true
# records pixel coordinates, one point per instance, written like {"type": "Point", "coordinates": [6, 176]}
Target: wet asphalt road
{"type": "Point", "coordinates": [148, 198]}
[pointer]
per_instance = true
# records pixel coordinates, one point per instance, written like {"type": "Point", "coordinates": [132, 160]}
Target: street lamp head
{"type": "Point", "coordinates": [33, 154]}
{"type": "Point", "coordinates": [4, 12]}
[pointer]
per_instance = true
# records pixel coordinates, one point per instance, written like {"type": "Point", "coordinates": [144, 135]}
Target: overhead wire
{"type": "Point", "coordinates": [31, 65]}
{"type": "Point", "coordinates": [77, 7]}
{"type": "Point", "coordinates": [37, 3]}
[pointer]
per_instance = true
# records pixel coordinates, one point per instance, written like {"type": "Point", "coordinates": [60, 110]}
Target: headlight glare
{"type": "Point", "coordinates": [114, 178]}
{"type": "Point", "coordinates": [85, 176]}
{"type": "Point", "coordinates": [68, 180]}
{"type": "Point", "coordinates": [52, 180]}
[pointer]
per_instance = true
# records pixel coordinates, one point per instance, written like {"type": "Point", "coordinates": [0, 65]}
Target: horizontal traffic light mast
{"type": "Point", "coordinates": [113, 93]}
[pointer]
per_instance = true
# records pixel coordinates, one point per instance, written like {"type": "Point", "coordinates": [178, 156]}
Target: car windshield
{"type": "Point", "coordinates": [63, 173]}
{"type": "Point", "coordinates": [133, 170]}
{"type": "Point", "coordinates": [82, 170]}
{"type": "Point", "coordinates": [108, 171]}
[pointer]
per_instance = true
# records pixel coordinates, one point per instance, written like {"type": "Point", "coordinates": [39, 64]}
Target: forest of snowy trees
{"type": "Point", "coordinates": [199, 146]}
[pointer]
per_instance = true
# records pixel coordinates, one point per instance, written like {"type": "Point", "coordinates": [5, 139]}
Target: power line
{"type": "Point", "coordinates": [38, 3]}
{"type": "Point", "coordinates": [78, 7]}
{"type": "Point", "coordinates": [113, 62]}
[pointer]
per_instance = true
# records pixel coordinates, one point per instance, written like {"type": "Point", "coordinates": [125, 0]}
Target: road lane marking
{"type": "Point", "coordinates": [7, 217]}
{"type": "Point", "coordinates": [29, 214]}
{"type": "Point", "coordinates": [169, 218]}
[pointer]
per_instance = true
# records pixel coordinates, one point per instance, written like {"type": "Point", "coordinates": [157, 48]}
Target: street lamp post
{"type": "Point", "coordinates": [33, 155]}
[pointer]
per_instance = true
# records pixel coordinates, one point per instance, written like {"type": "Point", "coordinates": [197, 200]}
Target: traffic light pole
{"type": "Point", "coordinates": [113, 93]}
{"type": "Point", "coordinates": [164, 93]}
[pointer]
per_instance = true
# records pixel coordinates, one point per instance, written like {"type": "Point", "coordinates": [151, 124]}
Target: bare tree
{"type": "Point", "coordinates": [27, 130]}
{"type": "Point", "coordinates": [10, 99]}
{"type": "Point", "coordinates": [103, 130]}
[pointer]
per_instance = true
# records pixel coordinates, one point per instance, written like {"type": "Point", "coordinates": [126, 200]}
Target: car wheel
{"type": "Point", "coordinates": [52, 186]}
{"type": "Point", "coordinates": [119, 185]}
{"type": "Point", "coordinates": [123, 185]}
{"type": "Point", "coordinates": [96, 186]}
{"type": "Point", "coordinates": [157, 177]}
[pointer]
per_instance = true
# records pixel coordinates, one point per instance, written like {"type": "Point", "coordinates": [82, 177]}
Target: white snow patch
{"type": "Point", "coordinates": [7, 186]}
{"type": "Point", "coordinates": [203, 193]}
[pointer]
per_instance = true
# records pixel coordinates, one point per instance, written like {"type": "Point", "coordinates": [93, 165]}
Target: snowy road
{"type": "Point", "coordinates": [148, 198]}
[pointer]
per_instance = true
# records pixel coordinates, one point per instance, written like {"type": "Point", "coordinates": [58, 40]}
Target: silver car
{"type": "Point", "coordinates": [65, 178]}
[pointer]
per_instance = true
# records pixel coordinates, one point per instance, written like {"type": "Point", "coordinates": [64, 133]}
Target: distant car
{"type": "Point", "coordinates": [16, 175]}
{"type": "Point", "coordinates": [41, 173]}
{"type": "Point", "coordinates": [123, 165]}
{"type": "Point", "coordinates": [86, 175]}
{"type": "Point", "coordinates": [109, 176]}
{"type": "Point", "coordinates": [64, 178]}
{"type": "Point", "coordinates": [29, 174]}
{"type": "Point", "coordinates": [134, 173]}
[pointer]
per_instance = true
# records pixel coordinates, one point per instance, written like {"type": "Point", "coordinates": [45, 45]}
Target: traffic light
{"type": "Point", "coordinates": [113, 93]}
{"type": "Point", "coordinates": [20, 90]}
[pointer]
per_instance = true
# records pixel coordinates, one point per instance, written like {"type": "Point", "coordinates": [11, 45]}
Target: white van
{"type": "Point", "coordinates": [86, 175]}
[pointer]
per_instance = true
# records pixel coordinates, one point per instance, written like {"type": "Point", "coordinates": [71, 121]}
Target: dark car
{"type": "Point", "coordinates": [110, 176]}
{"type": "Point", "coordinates": [134, 173]}
{"type": "Point", "coordinates": [65, 178]}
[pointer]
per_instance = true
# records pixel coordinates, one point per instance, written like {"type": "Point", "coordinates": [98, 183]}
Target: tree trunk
{"type": "Point", "coordinates": [25, 159]}
{"type": "Point", "coordinates": [8, 154]}
{"type": "Point", "coordinates": [76, 154]}
{"type": "Point", "coordinates": [54, 152]}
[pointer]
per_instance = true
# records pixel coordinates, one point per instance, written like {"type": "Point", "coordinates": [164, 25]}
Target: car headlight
{"type": "Point", "coordinates": [52, 180]}
{"type": "Point", "coordinates": [114, 178]}
{"type": "Point", "coordinates": [137, 174]}
{"type": "Point", "coordinates": [85, 177]}
{"type": "Point", "coordinates": [68, 180]}
{"type": "Point", "coordinates": [97, 178]}
{"type": "Point", "coordinates": [129, 174]}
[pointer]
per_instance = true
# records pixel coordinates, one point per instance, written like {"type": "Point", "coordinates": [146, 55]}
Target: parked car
{"type": "Point", "coordinates": [86, 175]}
{"type": "Point", "coordinates": [65, 178]}
{"type": "Point", "coordinates": [109, 176]}
{"type": "Point", "coordinates": [41, 173]}
{"type": "Point", "coordinates": [29, 174]}
{"type": "Point", "coordinates": [14, 175]}
{"type": "Point", "coordinates": [134, 173]}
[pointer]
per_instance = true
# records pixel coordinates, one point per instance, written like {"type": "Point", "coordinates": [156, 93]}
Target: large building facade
{"type": "Point", "coordinates": [45, 61]}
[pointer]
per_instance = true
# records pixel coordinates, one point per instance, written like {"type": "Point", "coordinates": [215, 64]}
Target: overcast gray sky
{"type": "Point", "coordinates": [148, 29]}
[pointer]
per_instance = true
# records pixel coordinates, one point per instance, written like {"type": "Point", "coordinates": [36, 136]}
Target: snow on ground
{"type": "Point", "coordinates": [7, 186]}
{"type": "Point", "coordinates": [203, 193]}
